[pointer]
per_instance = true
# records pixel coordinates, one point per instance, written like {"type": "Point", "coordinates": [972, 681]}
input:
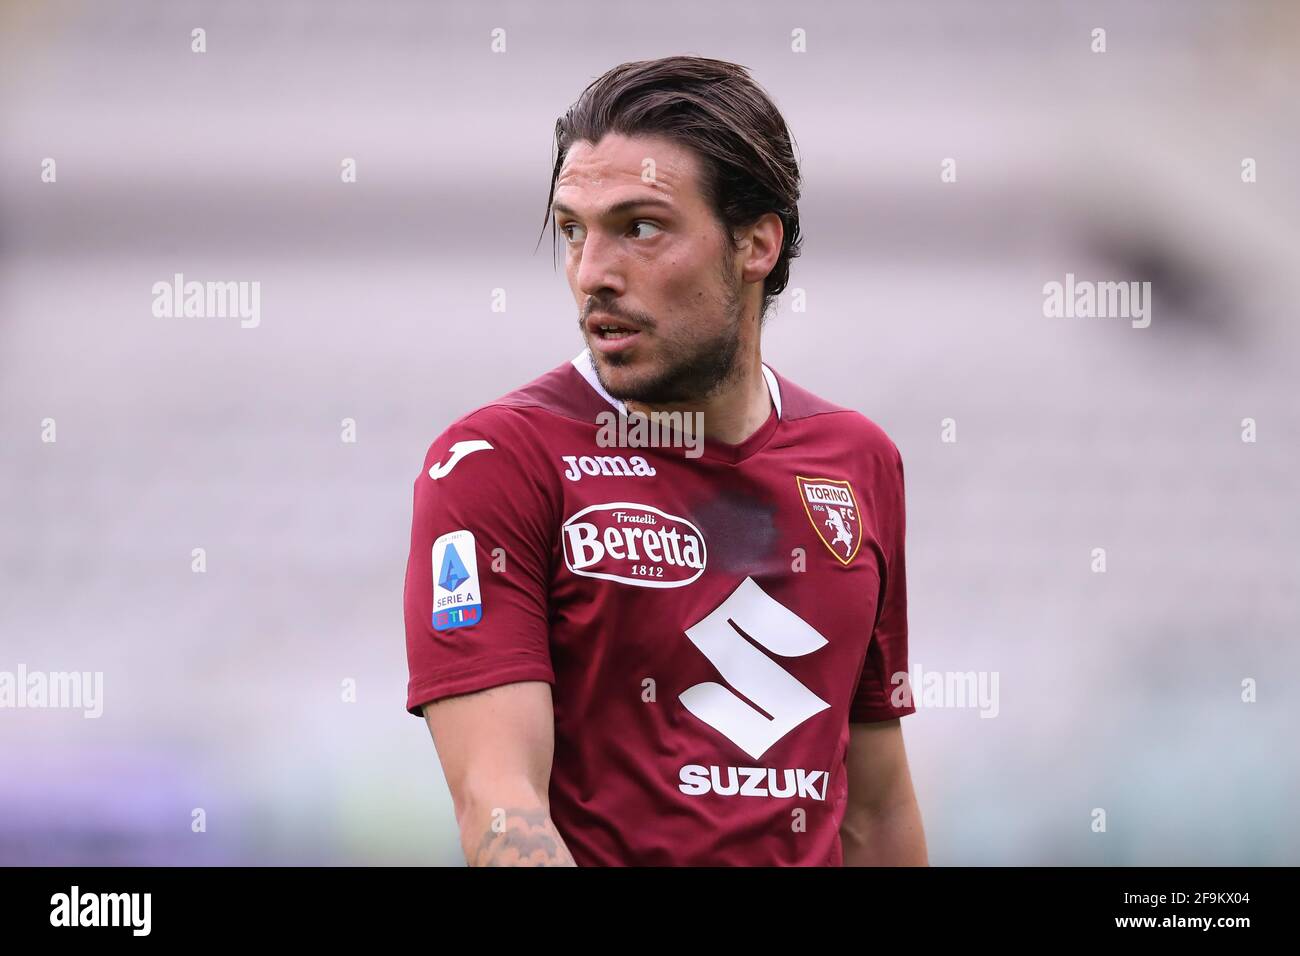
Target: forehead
{"type": "Point", "coordinates": [620, 168]}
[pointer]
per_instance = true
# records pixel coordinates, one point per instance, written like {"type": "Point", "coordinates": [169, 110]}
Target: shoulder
{"type": "Point", "coordinates": [860, 434]}
{"type": "Point", "coordinates": [504, 448]}
{"type": "Point", "coordinates": [520, 423]}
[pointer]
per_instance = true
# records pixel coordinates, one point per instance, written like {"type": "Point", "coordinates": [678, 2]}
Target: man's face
{"type": "Point", "coordinates": [645, 253]}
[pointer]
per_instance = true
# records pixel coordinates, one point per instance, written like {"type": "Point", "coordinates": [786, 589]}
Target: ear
{"type": "Point", "coordinates": [763, 248]}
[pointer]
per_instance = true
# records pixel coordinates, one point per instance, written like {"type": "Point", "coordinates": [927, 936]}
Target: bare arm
{"type": "Point", "coordinates": [496, 748]}
{"type": "Point", "coordinates": [882, 822]}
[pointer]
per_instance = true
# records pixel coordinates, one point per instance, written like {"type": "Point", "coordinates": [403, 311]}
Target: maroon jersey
{"type": "Point", "coordinates": [711, 619]}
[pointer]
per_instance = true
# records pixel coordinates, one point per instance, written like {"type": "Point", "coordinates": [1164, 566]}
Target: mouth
{"type": "Point", "coordinates": [607, 327]}
{"type": "Point", "coordinates": [609, 334]}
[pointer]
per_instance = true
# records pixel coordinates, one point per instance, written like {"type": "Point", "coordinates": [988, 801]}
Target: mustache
{"type": "Point", "coordinates": [638, 322]}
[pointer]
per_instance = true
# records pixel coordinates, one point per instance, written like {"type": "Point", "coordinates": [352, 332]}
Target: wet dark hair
{"type": "Point", "coordinates": [715, 109]}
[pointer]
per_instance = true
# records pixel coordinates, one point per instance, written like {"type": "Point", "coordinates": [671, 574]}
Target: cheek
{"type": "Point", "coordinates": [696, 285]}
{"type": "Point", "coordinates": [684, 274]}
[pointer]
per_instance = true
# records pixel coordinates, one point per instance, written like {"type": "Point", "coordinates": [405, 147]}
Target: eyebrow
{"type": "Point", "coordinates": [617, 208]}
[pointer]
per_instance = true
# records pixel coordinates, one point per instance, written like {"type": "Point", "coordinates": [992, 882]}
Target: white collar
{"type": "Point", "coordinates": [583, 363]}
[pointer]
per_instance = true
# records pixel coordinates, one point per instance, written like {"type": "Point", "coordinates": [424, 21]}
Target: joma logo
{"type": "Point", "coordinates": [609, 466]}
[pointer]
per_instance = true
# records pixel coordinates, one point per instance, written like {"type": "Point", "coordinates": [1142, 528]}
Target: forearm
{"type": "Point", "coordinates": [519, 832]}
{"type": "Point", "coordinates": [888, 836]}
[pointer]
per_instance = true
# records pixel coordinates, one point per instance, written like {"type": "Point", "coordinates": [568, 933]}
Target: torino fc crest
{"type": "Point", "coordinates": [833, 511]}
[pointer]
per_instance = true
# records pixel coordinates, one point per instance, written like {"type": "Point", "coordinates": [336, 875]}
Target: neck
{"type": "Point", "coordinates": [735, 411]}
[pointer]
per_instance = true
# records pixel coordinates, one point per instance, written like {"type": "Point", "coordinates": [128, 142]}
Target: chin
{"type": "Point", "coordinates": [617, 378]}
{"type": "Point", "coordinates": [624, 381]}
{"type": "Point", "coordinates": [622, 366]}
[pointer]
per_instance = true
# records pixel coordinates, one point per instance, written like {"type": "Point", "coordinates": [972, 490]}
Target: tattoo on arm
{"type": "Point", "coordinates": [521, 836]}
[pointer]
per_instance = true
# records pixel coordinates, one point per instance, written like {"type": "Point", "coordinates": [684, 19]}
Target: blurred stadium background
{"type": "Point", "coordinates": [222, 690]}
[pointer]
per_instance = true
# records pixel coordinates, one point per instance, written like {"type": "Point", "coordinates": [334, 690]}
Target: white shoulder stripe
{"type": "Point", "coordinates": [583, 363]}
{"type": "Point", "coordinates": [773, 389]}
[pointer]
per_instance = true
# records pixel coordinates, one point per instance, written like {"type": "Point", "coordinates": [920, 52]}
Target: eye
{"type": "Point", "coordinates": [646, 223]}
{"type": "Point", "coordinates": [564, 230]}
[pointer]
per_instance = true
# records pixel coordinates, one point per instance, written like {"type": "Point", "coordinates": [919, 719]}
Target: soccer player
{"type": "Point", "coordinates": [634, 641]}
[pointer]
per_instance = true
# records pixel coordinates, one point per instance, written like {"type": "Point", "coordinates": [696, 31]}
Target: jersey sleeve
{"type": "Point", "coordinates": [478, 573]}
{"type": "Point", "coordinates": [879, 696]}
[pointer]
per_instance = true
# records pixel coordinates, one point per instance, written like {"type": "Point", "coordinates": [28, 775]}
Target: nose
{"type": "Point", "coordinates": [599, 265]}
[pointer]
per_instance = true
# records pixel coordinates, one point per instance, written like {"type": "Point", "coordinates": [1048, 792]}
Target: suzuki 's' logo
{"type": "Point", "coordinates": [721, 637]}
{"type": "Point", "coordinates": [458, 451]}
{"type": "Point", "coordinates": [833, 511]}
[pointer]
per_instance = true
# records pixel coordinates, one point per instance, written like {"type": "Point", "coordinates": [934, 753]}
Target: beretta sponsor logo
{"type": "Point", "coordinates": [633, 544]}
